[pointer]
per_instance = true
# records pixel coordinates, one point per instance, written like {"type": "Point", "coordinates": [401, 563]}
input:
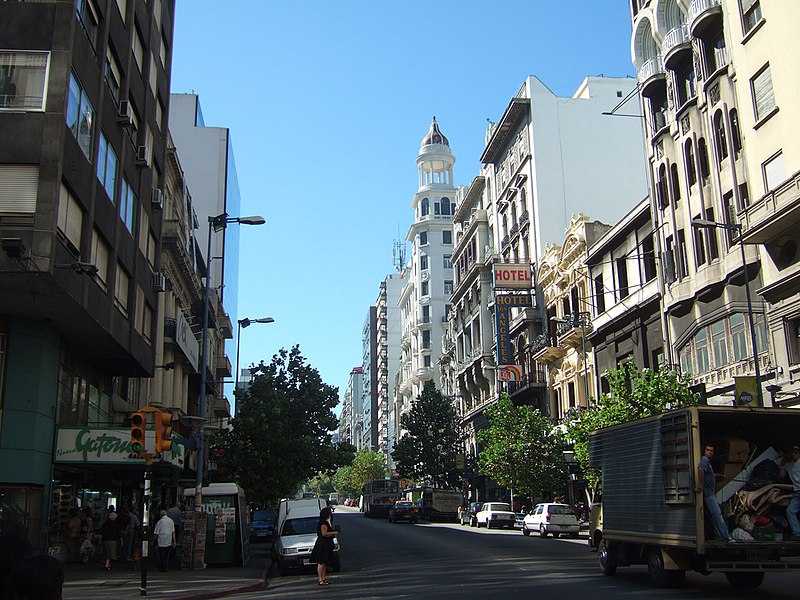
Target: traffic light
{"type": "Point", "coordinates": [138, 429]}
{"type": "Point", "coordinates": [163, 431]}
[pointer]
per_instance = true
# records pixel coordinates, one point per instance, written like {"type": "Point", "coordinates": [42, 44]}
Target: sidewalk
{"type": "Point", "coordinates": [83, 582]}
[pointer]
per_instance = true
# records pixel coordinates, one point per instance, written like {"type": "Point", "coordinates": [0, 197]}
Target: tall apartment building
{"type": "Point", "coordinates": [388, 321]}
{"type": "Point", "coordinates": [369, 390]}
{"type": "Point", "coordinates": [717, 81]}
{"type": "Point", "coordinates": [425, 301]}
{"type": "Point", "coordinates": [84, 94]}
{"type": "Point", "coordinates": [351, 419]}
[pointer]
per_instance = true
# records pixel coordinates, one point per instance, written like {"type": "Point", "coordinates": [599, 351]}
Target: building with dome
{"type": "Point", "coordinates": [424, 302]}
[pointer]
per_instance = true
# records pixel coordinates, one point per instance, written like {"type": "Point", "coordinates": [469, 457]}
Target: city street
{"type": "Point", "coordinates": [382, 560]}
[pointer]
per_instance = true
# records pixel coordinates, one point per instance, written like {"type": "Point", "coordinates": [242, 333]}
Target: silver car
{"type": "Point", "coordinates": [551, 518]}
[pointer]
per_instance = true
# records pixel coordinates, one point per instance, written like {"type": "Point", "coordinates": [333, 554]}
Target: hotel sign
{"type": "Point", "coordinates": [512, 276]}
{"type": "Point", "coordinates": [503, 303]}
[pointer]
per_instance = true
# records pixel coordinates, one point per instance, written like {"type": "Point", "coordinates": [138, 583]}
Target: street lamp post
{"type": "Point", "coordinates": [217, 223]}
{"type": "Point", "coordinates": [737, 227]}
{"type": "Point", "coordinates": [242, 324]}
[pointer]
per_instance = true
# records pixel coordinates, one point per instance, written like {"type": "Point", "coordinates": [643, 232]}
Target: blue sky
{"type": "Point", "coordinates": [327, 102]}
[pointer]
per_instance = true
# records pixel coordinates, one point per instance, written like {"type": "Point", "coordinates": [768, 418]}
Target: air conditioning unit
{"type": "Point", "coordinates": [159, 282]}
{"type": "Point", "coordinates": [141, 156]}
{"type": "Point", "coordinates": [157, 199]}
{"type": "Point", "coordinates": [125, 114]}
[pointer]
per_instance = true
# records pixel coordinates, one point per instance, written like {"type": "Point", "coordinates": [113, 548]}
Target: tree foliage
{"type": "Point", "coordinates": [281, 435]}
{"type": "Point", "coordinates": [367, 465]}
{"type": "Point", "coordinates": [342, 482]}
{"type": "Point", "coordinates": [521, 449]}
{"type": "Point", "coordinates": [634, 394]}
{"type": "Point", "coordinates": [428, 449]}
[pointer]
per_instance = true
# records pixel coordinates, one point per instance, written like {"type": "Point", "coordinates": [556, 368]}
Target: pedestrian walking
{"type": "Point", "coordinates": [175, 512]}
{"type": "Point", "coordinates": [165, 540]}
{"type": "Point", "coordinates": [73, 535]}
{"type": "Point", "coordinates": [87, 534]}
{"type": "Point", "coordinates": [133, 530]}
{"type": "Point", "coordinates": [111, 538]}
{"type": "Point", "coordinates": [708, 482]}
{"type": "Point", "coordinates": [322, 553]}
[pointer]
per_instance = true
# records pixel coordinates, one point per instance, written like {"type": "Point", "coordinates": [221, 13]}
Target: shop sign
{"type": "Point", "coordinates": [502, 318]}
{"type": "Point", "coordinates": [509, 373]}
{"type": "Point", "coordinates": [91, 445]}
{"type": "Point", "coordinates": [187, 341]}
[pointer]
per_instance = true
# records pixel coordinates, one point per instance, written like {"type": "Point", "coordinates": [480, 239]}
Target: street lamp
{"type": "Point", "coordinates": [573, 320]}
{"type": "Point", "coordinates": [245, 323]}
{"type": "Point", "coordinates": [737, 227]}
{"type": "Point", "coordinates": [217, 223]}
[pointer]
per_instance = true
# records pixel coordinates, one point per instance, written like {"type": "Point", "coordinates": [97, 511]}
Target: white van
{"type": "Point", "coordinates": [333, 498]}
{"type": "Point", "coordinates": [297, 532]}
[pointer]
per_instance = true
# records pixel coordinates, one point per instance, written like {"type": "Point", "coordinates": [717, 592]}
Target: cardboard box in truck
{"type": "Point", "coordinates": [653, 504]}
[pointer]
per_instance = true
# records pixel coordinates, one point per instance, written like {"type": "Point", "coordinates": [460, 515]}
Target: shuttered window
{"type": "Point", "coordinates": [19, 186]}
{"type": "Point", "coordinates": [763, 94]}
{"type": "Point", "coordinates": [100, 259]}
{"type": "Point", "coordinates": [70, 219]}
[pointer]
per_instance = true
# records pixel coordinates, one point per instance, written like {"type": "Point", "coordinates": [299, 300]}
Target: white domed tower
{"type": "Point", "coordinates": [426, 298]}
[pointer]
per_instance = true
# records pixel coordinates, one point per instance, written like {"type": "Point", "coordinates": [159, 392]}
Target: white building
{"type": "Point", "coordinates": [351, 420]}
{"type": "Point", "coordinates": [425, 300]}
{"type": "Point", "coordinates": [388, 321]}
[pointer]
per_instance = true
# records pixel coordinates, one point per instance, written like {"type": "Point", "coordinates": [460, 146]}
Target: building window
{"type": "Point", "coordinates": [89, 20]}
{"type": "Point", "coordinates": [426, 360]}
{"type": "Point", "coordinates": [686, 83]}
{"type": "Point", "coordinates": [711, 236]}
{"type": "Point", "coordinates": [658, 110]}
{"type": "Point", "coordinates": [107, 166]}
{"type": "Point", "coordinates": [761, 332]}
{"type": "Point", "coordinates": [751, 14]}
{"type": "Point", "coordinates": [445, 203]}
{"type": "Point", "coordinates": [99, 259]}
{"type": "Point", "coordinates": [23, 80]}
{"type": "Point", "coordinates": [423, 238]}
{"type": "Point", "coordinates": [121, 290]}
{"type": "Point", "coordinates": [670, 273]}
{"type": "Point", "coordinates": [426, 339]}
{"type": "Point", "coordinates": [70, 220]}
{"type": "Point", "coordinates": [736, 134]}
{"type": "Point", "coordinates": [661, 187]}
{"type": "Point", "coordinates": [683, 257]}
{"type": "Point", "coordinates": [730, 209]}
{"type": "Point", "coordinates": [774, 172]}
{"type": "Point", "coordinates": [686, 359]}
{"type": "Point", "coordinates": [719, 136]}
{"type": "Point", "coordinates": [763, 94]}
{"type": "Point", "coordinates": [716, 53]}
{"type": "Point", "coordinates": [622, 277]}
{"type": "Point", "coordinates": [113, 74]}
{"type": "Point", "coordinates": [701, 351]}
{"type": "Point", "coordinates": [691, 170]}
{"type": "Point", "coordinates": [599, 294]}
{"type": "Point", "coordinates": [80, 116]}
{"type": "Point", "coordinates": [649, 258]}
{"type": "Point", "coordinates": [448, 287]}
{"type": "Point", "coordinates": [792, 328]}
{"type": "Point", "coordinates": [423, 262]}
{"type": "Point", "coordinates": [719, 343]}
{"type": "Point", "coordinates": [447, 237]}
{"type": "Point", "coordinates": [738, 336]}
{"type": "Point", "coordinates": [425, 207]}
{"type": "Point", "coordinates": [676, 186]}
{"type": "Point", "coordinates": [702, 152]}
{"type": "Point", "coordinates": [699, 246]}
{"type": "Point", "coordinates": [447, 263]}
{"type": "Point", "coordinates": [127, 205]}
{"type": "Point", "coordinates": [744, 195]}
{"type": "Point", "coordinates": [424, 289]}
{"type": "Point", "coordinates": [138, 48]}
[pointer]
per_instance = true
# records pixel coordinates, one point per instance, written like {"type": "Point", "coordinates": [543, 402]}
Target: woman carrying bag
{"type": "Point", "coordinates": [322, 554]}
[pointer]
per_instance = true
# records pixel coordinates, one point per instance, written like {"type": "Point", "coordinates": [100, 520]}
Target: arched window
{"type": "Point", "coordinates": [663, 197]}
{"type": "Point", "coordinates": [445, 206]}
{"type": "Point", "coordinates": [736, 136]}
{"type": "Point", "coordinates": [720, 137]}
{"type": "Point", "coordinates": [688, 156]}
{"type": "Point", "coordinates": [702, 151]}
{"type": "Point", "coordinates": [425, 207]}
{"type": "Point", "coordinates": [676, 185]}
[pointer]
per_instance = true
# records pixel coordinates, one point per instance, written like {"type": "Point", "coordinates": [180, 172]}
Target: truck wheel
{"type": "Point", "coordinates": [744, 579]}
{"type": "Point", "coordinates": [659, 574]}
{"type": "Point", "coordinates": [607, 558]}
{"type": "Point", "coordinates": [542, 531]}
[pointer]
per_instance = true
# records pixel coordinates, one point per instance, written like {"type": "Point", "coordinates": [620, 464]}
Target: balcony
{"type": "Point", "coordinates": [532, 390]}
{"type": "Point", "coordinates": [221, 407]}
{"type": "Point", "coordinates": [573, 329]}
{"type": "Point", "coordinates": [545, 349]}
{"type": "Point", "coordinates": [676, 42]}
{"type": "Point", "coordinates": [702, 13]}
{"type": "Point", "coordinates": [652, 71]}
{"type": "Point", "coordinates": [224, 368]}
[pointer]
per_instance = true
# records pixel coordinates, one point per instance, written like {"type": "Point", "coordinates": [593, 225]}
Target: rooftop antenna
{"type": "Point", "coordinates": [399, 253]}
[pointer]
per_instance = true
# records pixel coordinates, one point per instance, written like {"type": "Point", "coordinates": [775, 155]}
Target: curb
{"type": "Point", "coordinates": [251, 587]}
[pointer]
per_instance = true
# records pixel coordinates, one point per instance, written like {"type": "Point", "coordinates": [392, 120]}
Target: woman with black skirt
{"type": "Point", "coordinates": [322, 553]}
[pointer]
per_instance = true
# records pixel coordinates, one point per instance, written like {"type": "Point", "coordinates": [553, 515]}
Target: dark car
{"type": "Point", "coordinates": [404, 511]}
{"type": "Point", "coordinates": [468, 514]}
{"type": "Point", "coordinates": [262, 525]}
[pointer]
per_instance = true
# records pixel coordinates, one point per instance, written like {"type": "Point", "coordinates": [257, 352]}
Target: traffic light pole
{"type": "Point", "coordinates": [145, 525]}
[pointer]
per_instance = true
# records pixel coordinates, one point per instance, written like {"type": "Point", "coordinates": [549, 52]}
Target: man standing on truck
{"type": "Point", "coordinates": [708, 482]}
{"type": "Point", "coordinates": [792, 468]}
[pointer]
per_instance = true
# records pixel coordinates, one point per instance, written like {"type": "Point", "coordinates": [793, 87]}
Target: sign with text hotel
{"type": "Point", "coordinates": [502, 312]}
{"type": "Point", "coordinates": [512, 276]}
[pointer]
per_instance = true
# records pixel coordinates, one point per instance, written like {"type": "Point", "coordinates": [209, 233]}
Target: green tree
{"type": "Point", "coordinates": [521, 449]}
{"type": "Point", "coordinates": [321, 485]}
{"type": "Point", "coordinates": [282, 434]}
{"type": "Point", "coordinates": [634, 394]}
{"type": "Point", "coordinates": [341, 482]}
{"type": "Point", "coordinates": [428, 449]}
{"type": "Point", "coordinates": [366, 466]}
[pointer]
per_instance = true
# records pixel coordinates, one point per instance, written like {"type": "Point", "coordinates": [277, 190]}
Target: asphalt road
{"type": "Point", "coordinates": [382, 560]}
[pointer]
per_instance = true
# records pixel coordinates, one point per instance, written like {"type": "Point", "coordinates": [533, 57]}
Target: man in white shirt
{"type": "Point", "coordinates": [165, 540]}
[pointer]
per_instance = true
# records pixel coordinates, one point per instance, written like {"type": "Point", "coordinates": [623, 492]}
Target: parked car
{"type": "Point", "coordinates": [551, 518]}
{"type": "Point", "coordinates": [262, 525]}
{"type": "Point", "coordinates": [519, 519]}
{"type": "Point", "coordinates": [404, 511]}
{"type": "Point", "coordinates": [468, 514]}
{"type": "Point", "coordinates": [495, 514]}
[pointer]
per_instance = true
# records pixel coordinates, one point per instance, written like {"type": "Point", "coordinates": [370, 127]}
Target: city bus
{"type": "Point", "coordinates": [378, 495]}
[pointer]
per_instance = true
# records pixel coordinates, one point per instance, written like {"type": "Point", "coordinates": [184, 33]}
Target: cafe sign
{"type": "Point", "coordinates": [107, 446]}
